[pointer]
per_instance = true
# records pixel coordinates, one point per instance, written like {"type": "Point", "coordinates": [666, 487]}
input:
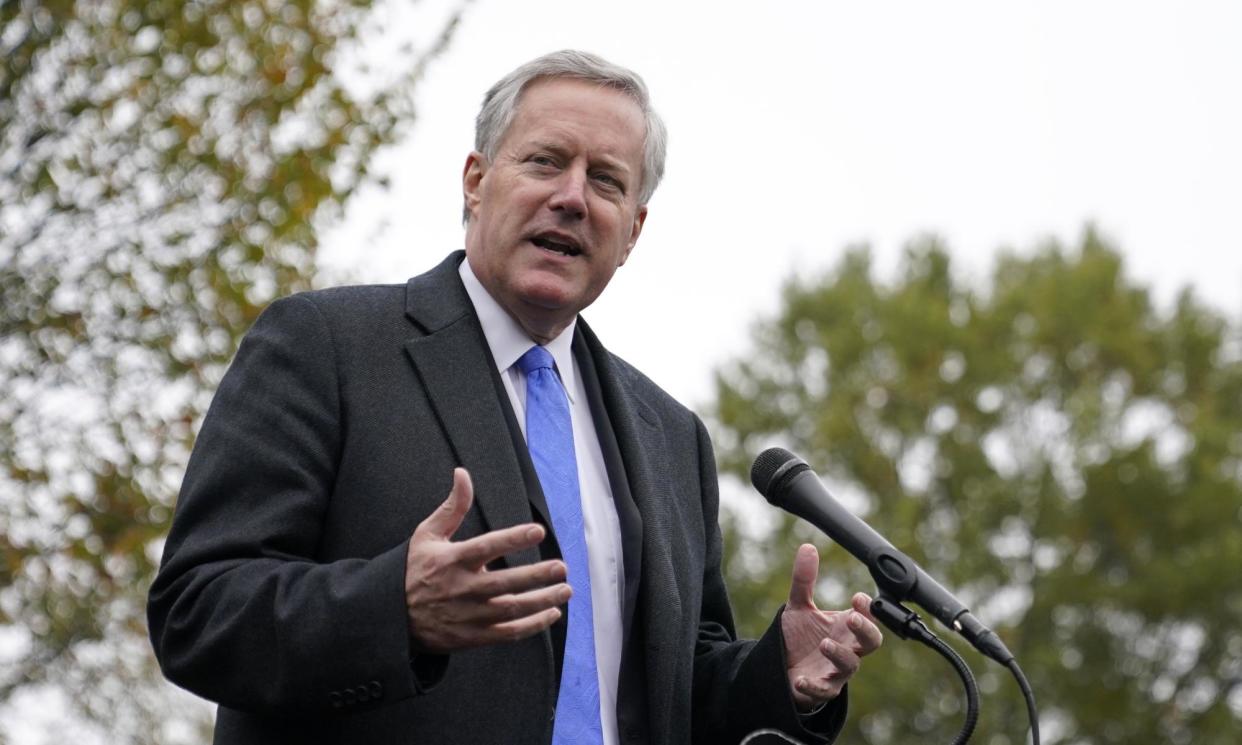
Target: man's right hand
{"type": "Point", "coordinates": [454, 602]}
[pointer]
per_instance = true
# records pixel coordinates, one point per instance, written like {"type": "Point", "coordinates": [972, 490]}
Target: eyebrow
{"type": "Point", "coordinates": [607, 161]}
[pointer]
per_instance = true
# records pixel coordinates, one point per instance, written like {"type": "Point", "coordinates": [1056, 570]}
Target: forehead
{"type": "Point", "coordinates": [582, 111]}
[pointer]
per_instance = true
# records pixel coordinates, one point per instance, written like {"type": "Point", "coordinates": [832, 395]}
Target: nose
{"type": "Point", "coordinates": [569, 197]}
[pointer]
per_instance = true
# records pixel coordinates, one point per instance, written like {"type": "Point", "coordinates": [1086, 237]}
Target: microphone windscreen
{"type": "Point", "coordinates": [770, 468]}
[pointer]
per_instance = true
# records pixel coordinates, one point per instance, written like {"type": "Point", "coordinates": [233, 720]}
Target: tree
{"type": "Point", "coordinates": [165, 167]}
{"type": "Point", "coordinates": [1053, 446]}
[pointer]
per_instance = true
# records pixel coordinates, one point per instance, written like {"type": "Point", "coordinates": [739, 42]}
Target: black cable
{"type": "Point", "coordinates": [1029, 695]}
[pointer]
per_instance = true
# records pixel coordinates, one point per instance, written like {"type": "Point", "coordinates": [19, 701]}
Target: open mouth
{"type": "Point", "coordinates": [557, 245]}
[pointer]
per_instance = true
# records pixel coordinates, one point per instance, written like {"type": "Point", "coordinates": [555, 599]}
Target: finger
{"type": "Point", "coordinates": [519, 579]}
{"type": "Point", "coordinates": [515, 606]}
{"type": "Point", "coordinates": [511, 631]}
{"type": "Point", "coordinates": [447, 518]}
{"type": "Point", "coordinates": [861, 602]}
{"type": "Point", "coordinates": [842, 658]}
{"type": "Point", "coordinates": [465, 635]}
{"type": "Point", "coordinates": [818, 690]}
{"type": "Point", "coordinates": [867, 635]}
{"type": "Point", "coordinates": [805, 570]}
{"type": "Point", "coordinates": [481, 549]}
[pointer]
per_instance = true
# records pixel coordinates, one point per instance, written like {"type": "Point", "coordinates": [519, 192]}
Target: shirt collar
{"type": "Point", "coordinates": [507, 340]}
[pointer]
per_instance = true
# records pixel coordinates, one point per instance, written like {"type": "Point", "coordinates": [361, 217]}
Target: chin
{"type": "Point", "coordinates": [549, 294]}
{"type": "Point", "coordinates": [550, 306]}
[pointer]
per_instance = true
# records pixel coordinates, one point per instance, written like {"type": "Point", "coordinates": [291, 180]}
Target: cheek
{"type": "Point", "coordinates": [602, 276]}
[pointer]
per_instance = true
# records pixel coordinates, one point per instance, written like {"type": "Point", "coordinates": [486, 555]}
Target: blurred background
{"type": "Point", "coordinates": [978, 263]}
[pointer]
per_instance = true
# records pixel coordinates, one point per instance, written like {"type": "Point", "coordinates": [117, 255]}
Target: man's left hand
{"type": "Point", "coordinates": [823, 649]}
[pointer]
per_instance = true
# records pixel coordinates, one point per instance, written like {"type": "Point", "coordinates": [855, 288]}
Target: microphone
{"type": "Point", "coordinates": [786, 481]}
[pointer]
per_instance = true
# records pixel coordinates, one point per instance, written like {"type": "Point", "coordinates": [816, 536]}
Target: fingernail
{"type": "Point", "coordinates": [855, 621]}
{"type": "Point", "coordinates": [532, 532]}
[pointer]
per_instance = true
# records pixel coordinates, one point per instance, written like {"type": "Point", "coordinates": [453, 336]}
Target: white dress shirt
{"type": "Point", "coordinates": [507, 342]}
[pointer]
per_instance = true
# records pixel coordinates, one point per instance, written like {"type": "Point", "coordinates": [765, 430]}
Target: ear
{"type": "Point", "coordinates": [636, 230]}
{"type": "Point", "coordinates": [472, 179]}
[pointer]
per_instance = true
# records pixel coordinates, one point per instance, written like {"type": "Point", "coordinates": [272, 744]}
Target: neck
{"type": "Point", "coordinates": [539, 333]}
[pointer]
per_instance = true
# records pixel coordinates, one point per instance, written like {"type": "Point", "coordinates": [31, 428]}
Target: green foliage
{"type": "Point", "coordinates": [1054, 447]}
{"type": "Point", "coordinates": [164, 168]}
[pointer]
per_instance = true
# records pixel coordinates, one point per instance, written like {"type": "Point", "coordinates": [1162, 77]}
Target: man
{"type": "Point", "coordinates": [319, 584]}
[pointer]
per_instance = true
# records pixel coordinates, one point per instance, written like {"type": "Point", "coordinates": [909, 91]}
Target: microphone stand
{"type": "Point", "coordinates": [769, 737]}
{"type": "Point", "coordinates": [895, 575]}
{"type": "Point", "coordinates": [906, 624]}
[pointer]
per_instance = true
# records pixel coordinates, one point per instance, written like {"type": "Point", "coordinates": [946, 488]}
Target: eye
{"type": "Point", "coordinates": [542, 159]}
{"type": "Point", "coordinates": [610, 181]}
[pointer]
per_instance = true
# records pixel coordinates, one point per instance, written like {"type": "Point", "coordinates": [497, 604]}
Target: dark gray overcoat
{"type": "Point", "coordinates": [332, 436]}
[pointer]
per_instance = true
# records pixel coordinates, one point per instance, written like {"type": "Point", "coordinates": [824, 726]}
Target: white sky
{"type": "Point", "coordinates": [798, 128]}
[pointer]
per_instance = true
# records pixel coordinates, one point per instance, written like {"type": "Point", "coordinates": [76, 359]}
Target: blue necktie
{"type": "Point", "coordinates": [550, 438]}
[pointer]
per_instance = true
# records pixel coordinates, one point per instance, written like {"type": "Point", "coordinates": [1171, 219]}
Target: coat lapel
{"type": "Point", "coordinates": [642, 443]}
{"type": "Point", "coordinates": [453, 363]}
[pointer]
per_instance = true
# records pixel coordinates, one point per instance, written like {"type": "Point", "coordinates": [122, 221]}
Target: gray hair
{"type": "Point", "coordinates": [501, 102]}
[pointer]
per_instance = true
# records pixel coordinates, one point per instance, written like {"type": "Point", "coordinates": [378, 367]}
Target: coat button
{"type": "Point", "coordinates": [335, 698]}
{"type": "Point", "coordinates": [376, 689]}
{"type": "Point", "coordinates": [351, 696]}
{"type": "Point", "coordinates": [363, 695]}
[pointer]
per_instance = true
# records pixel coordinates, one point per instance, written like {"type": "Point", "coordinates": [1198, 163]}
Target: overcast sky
{"type": "Point", "coordinates": [798, 128]}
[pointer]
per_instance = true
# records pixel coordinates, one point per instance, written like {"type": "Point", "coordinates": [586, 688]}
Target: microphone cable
{"type": "Point", "coordinates": [1029, 695]}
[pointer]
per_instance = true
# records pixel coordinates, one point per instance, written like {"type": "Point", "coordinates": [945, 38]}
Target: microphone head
{"type": "Point", "coordinates": [772, 470]}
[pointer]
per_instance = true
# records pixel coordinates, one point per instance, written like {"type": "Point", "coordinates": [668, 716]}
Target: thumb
{"type": "Point", "coordinates": [447, 518]}
{"type": "Point", "coordinates": [805, 570]}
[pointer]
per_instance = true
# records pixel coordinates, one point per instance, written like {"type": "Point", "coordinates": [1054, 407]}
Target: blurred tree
{"type": "Point", "coordinates": [1053, 447]}
{"type": "Point", "coordinates": [165, 166]}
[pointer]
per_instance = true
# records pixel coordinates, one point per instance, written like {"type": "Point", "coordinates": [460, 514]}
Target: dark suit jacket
{"type": "Point", "coordinates": [332, 436]}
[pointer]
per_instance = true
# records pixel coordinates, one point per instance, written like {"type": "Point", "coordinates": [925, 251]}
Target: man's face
{"type": "Point", "coordinates": [556, 212]}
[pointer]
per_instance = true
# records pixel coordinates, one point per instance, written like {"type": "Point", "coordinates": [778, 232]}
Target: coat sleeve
{"type": "Point", "coordinates": [241, 612]}
{"type": "Point", "coordinates": [742, 686]}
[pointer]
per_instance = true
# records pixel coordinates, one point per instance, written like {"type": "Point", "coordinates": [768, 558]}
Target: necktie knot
{"type": "Point", "coordinates": [536, 358]}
